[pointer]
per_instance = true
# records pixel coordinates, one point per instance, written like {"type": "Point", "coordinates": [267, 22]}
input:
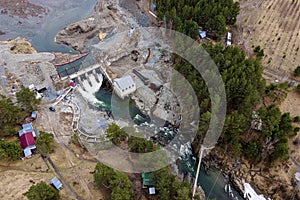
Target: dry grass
{"type": "Point", "coordinates": [17, 177]}
{"type": "Point", "coordinates": [275, 26]}
{"type": "Point", "coordinates": [292, 105]}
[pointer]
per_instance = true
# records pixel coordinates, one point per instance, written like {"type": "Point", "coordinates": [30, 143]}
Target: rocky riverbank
{"type": "Point", "coordinates": [109, 17]}
{"type": "Point", "coordinates": [22, 9]}
{"type": "Point", "coordinates": [276, 182]}
{"type": "Point", "coordinates": [106, 19]}
{"type": "Point", "coordinates": [23, 66]}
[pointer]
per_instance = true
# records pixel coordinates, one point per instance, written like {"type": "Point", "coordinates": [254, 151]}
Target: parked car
{"type": "Point", "coordinates": [52, 109]}
{"type": "Point", "coordinates": [229, 38]}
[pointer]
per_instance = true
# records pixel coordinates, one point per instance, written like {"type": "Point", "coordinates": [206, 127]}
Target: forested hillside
{"type": "Point", "coordinates": [244, 87]}
{"type": "Point", "coordinates": [187, 15]}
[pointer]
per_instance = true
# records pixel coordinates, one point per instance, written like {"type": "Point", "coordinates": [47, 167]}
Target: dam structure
{"type": "Point", "coordinates": [90, 78]}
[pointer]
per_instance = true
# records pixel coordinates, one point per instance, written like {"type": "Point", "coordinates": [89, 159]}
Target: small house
{"type": "Point", "coordinates": [124, 86]}
{"type": "Point", "coordinates": [147, 180]}
{"type": "Point", "coordinates": [27, 140]}
{"type": "Point", "coordinates": [27, 143]}
{"type": "Point", "coordinates": [56, 183]}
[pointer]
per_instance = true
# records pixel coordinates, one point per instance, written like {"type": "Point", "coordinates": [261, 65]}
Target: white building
{"type": "Point", "coordinates": [124, 86]}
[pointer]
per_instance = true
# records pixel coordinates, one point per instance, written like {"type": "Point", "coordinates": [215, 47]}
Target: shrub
{"type": "Point", "coordinates": [296, 119]}
{"type": "Point", "coordinates": [42, 191]}
{"type": "Point", "coordinates": [297, 71]}
{"type": "Point", "coordinates": [298, 88]}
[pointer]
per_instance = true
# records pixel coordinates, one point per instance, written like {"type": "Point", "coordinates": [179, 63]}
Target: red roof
{"type": "Point", "coordinates": [72, 84]}
{"type": "Point", "coordinates": [27, 140]}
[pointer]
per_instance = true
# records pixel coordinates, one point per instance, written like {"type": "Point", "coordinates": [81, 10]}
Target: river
{"type": "Point", "coordinates": [41, 32]}
{"type": "Point", "coordinates": [212, 181]}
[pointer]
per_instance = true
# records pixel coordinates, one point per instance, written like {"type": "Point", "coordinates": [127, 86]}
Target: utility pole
{"type": "Point", "coordinates": [198, 168]}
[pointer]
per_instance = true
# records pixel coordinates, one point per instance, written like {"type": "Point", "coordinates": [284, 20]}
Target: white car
{"type": "Point", "coordinates": [229, 37]}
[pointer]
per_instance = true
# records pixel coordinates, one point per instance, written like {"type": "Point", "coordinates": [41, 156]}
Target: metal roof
{"type": "Point", "coordinates": [27, 150]}
{"type": "Point", "coordinates": [21, 132]}
{"type": "Point", "coordinates": [34, 114]}
{"type": "Point", "coordinates": [27, 126]}
{"type": "Point", "coordinates": [125, 82]}
{"type": "Point", "coordinates": [202, 34]}
{"type": "Point", "coordinates": [56, 183]}
{"type": "Point", "coordinates": [148, 179]}
{"type": "Point", "coordinates": [27, 139]}
{"type": "Point", "coordinates": [152, 190]}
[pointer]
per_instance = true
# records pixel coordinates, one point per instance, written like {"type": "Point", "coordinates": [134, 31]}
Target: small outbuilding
{"type": "Point", "coordinates": [56, 183]}
{"type": "Point", "coordinates": [147, 179]}
{"type": "Point", "coordinates": [202, 34]}
{"type": "Point", "coordinates": [34, 115]}
{"type": "Point", "coordinates": [28, 151]}
{"type": "Point", "coordinates": [152, 190]}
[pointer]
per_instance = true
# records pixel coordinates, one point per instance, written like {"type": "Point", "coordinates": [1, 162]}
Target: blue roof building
{"type": "Point", "coordinates": [56, 183]}
{"type": "Point", "coordinates": [34, 114]}
{"type": "Point", "coordinates": [202, 34]}
{"type": "Point", "coordinates": [27, 127]}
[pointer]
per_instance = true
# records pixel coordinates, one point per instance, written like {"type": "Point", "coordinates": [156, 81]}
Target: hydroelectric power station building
{"type": "Point", "coordinates": [124, 86]}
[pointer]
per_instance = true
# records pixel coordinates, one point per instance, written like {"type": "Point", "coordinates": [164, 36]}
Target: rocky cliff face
{"type": "Point", "coordinates": [275, 181]}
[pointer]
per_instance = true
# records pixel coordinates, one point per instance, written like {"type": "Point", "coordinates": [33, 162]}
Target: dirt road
{"type": "Point", "coordinates": [59, 124]}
